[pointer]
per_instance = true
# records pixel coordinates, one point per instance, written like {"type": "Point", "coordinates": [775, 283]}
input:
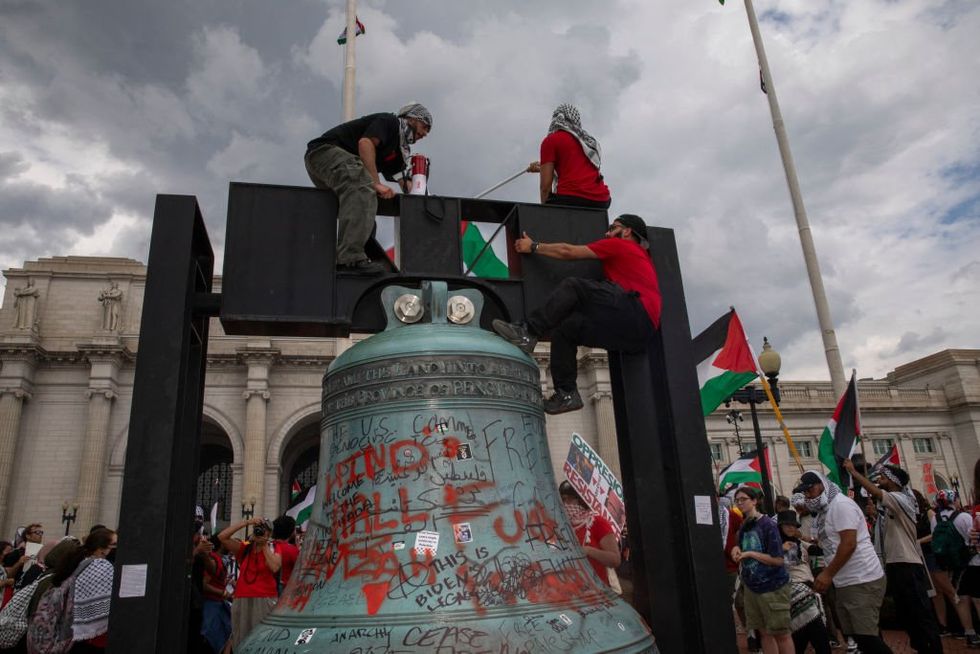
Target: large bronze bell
{"type": "Point", "coordinates": [437, 525]}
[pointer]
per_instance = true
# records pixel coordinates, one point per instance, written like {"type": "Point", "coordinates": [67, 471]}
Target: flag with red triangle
{"type": "Point", "coordinates": [891, 456]}
{"type": "Point", "coordinates": [744, 471]}
{"type": "Point", "coordinates": [726, 361]}
{"type": "Point", "coordinates": [841, 436]}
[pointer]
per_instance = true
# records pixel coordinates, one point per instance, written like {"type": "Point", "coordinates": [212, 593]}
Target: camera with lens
{"type": "Point", "coordinates": [262, 529]}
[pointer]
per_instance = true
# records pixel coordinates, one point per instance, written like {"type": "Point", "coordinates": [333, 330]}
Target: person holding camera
{"type": "Point", "coordinates": [259, 562]}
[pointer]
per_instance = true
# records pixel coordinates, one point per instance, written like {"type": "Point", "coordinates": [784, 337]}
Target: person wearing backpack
{"type": "Point", "coordinates": [908, 580]}
{"type": "Point", "coordinates": [256, 591]}
{"type": "Point", "coordinates": [949, 525]}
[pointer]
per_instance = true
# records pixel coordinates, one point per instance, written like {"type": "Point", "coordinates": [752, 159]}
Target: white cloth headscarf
{"type": "Point", "coordinates": [406, 133]}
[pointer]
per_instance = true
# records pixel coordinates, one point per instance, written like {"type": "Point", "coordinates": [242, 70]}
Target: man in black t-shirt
{"type": "Point", "coordinates": [348, 160]}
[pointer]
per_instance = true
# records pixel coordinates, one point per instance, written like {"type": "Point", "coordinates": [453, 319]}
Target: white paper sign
{"type": "Point", "coordinates": [427, 540]}
{"type": "Point", "coordinates": [703, 514]}
{"type": "Point", "coordinates": [132, 581]}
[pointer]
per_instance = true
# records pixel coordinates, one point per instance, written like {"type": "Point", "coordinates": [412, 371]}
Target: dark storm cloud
{"type": "Point", "coordinates": [104, 104]}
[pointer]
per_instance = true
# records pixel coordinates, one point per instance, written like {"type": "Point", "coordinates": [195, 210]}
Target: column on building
{"type": "Point", "coordinates": [259, 358]}
{"type": "Point", "coordinates": [104, 365]}
{"type": "Point", "coordinates": [595, 366]}
{"type": "Point", "coordinates": [16, 384]}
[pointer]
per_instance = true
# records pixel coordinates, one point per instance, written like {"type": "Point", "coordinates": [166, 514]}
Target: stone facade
{"type": "Point", "coordinates": [69, 329]}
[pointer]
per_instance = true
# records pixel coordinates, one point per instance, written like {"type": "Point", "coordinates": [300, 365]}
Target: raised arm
{"type": "Point", "coordinates": [866, 483]}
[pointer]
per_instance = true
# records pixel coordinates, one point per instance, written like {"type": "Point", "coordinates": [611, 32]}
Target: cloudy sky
{"type": "Point", "coordinates": [105, 103]}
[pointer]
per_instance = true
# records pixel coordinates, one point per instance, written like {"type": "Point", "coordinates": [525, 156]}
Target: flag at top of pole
{"type": "Point", "coordinates": [358, 30]}
{"type": "Point", "coordinates": [841, 437]}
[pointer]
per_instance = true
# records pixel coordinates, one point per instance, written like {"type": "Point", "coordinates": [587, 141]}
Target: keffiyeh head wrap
{"type": "Point", "coordinates": [567, 118]}
{"type": "Point", "coordinates": [819, 504]}
{"type": "Point", "coordinates": [904, 494]}
{"type": "Point", "coordinates": [407, 134]}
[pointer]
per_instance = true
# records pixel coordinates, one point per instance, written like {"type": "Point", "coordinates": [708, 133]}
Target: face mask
{"type": "Point", "coordinates": [816, 504]}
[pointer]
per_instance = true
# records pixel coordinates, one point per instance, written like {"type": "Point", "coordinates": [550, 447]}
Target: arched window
{"type": "Point", "coordinates": [214, 479]}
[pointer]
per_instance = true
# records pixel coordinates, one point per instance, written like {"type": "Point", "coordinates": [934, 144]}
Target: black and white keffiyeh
{"type": "Point", "coordinates": [904, 495]}
{"type": "Point", "coordinates": [93, 589]}
{"type": "Point", "coordinates": [406, 133]}
{"type": "Point", "coordinates": [567, 118]}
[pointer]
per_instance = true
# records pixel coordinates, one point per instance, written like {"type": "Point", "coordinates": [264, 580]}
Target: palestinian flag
{"type": "Point", "coordinates": [302, 507]}
{"type": "Point", "coordinates": [744, 471]}
{"type": "Point", "coordinates": [726, 361]}
{"type": "Point", "coordinates": [474, 238]}
{"type": "Point", "coordinates": [358, 30]}
{"type": "Point", "coordinates": [294, 491]}
{"type": "Point", "coordinates": [891, 456]}
{"type": "Point", "coordinates": [840, 437]}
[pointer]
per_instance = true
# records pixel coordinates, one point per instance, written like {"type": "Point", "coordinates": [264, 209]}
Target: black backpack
{"type": "Point", "coordinates": [948, 545]}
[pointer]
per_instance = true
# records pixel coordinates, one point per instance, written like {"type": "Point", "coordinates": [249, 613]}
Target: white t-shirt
{"type": "Point", "coordinates": [863, 566]}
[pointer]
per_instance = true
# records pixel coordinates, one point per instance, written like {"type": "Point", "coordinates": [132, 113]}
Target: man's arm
{"type": "Point", "coordinates": [848, 543]}
{"type": "Point", "coordinates": [564, 251]}
{"type": "Point", "coordinates": [367, 150]}
{"type": "Point", "coordinates": [233, 545]}
{"type": "Point", "coordinates": [607, 553]}
{"type": "Point", "coordinates": [867, 484]}
{"type": "Point", "coordinates": [546, 181]}
{"type": "Point", "coordinates": [272, 560]}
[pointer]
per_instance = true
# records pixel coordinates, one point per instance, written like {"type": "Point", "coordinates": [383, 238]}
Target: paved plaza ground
{"type": "Point", "coordinates": [897, 640]}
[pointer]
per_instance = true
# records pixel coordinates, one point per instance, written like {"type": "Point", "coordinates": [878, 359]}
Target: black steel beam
{"type": "Point", "coordinates": [279, 274]}
{"type": "Point", "coordinates": [678, 561]}
{"type": "Point", "coordinates": [156, 516]}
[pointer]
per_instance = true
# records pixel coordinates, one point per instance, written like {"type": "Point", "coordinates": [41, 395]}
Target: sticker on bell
{"type": "Point", "coordinates": [427, 541]}
{"type": "Point", "coordinates": [305, 636]}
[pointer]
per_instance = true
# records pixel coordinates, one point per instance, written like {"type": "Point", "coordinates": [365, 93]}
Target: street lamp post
{"type": "Point", "coordinates": [68, 518]}
{"type": "Point", "coordinates": [770, 362]}
{"type": "Point", "coordinates": [734, 417]}
{"type": "Point", "coordinates": [248, 510]}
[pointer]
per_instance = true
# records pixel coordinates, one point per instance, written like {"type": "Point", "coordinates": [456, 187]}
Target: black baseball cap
{"type": "Point", "coordinates": [808, 480]}
{"type": "Point", "coordinates": [634, 222]}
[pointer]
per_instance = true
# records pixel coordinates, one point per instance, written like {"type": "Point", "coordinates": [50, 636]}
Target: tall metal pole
{"type": "Point", "coordinates": [349, 60]}
{"type": "Point", "coordinates": [831, 350]}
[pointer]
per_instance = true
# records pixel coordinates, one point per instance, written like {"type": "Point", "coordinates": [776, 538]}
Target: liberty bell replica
{"type": "Point", "coordinates": [437, 525]}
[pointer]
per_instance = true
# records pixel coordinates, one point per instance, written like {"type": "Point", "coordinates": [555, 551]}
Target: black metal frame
{"type": "Point", "coordinates": [279, 279]}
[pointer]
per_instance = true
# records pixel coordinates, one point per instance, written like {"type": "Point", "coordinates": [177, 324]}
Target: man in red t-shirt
{"type": "Point", "coordinates": [573, 156]}
{"type": "Point", "coordinates": [618, 314]}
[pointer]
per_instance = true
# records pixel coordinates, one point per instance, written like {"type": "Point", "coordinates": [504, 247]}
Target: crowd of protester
{"type": "Point", "coordinates": [56, 592]}
{"type": "Point", "coordinates": [816, 572]}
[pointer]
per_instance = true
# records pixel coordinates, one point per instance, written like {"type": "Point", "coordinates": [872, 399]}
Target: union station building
{"type": "Point", "coordinates": [69, 339]}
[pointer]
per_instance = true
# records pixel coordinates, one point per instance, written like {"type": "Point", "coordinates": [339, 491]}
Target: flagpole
{"type": "Point", "coordinates": [831, 349]}
{"type": "Point", "coordinates": [349, 65]}
{"type": "Point", "coordinates": [775, 405]}
{"type": "Point", "coordinates": [857, 410]}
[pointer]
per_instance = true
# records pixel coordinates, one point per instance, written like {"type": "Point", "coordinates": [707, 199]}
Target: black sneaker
{"type": "Point", "coordinates": [516, 334]}
{"type": "Point", "coordinates": [562, 402]}
{"type": "Point", "coordinates": [364, 267]}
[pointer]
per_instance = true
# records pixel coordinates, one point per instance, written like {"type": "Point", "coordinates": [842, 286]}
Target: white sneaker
{"type": "Point", "coordinates": [852, 647]}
